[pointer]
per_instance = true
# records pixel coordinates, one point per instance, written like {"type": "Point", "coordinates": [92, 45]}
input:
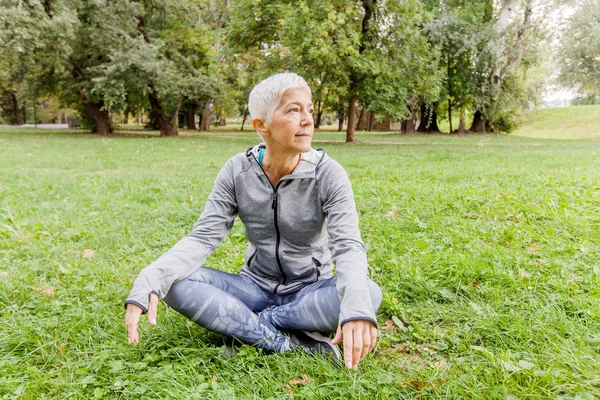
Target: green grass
{"type": "Point", "coordinates": [575, 122]}
{"type": "Point", "coordinates": [487, 248]}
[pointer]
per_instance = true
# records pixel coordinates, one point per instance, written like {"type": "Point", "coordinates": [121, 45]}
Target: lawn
{"type": "Point", "coordinates": [487, 248]}
{"type": "Point", "coordinates": [575, 122]}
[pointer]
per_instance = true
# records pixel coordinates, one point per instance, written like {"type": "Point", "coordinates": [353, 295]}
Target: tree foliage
{"type": "Point", "coordinates": [176, 59]}
{"type": "Point", "coordinates": [579, 54]}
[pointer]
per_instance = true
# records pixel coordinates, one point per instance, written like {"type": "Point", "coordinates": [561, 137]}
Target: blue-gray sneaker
{"type": "Point", "coordinates": [316, 343]}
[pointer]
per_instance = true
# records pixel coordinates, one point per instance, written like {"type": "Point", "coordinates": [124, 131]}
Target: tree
{"type": "Point", "coordinates": [579, 52]}
{"type": "Point", "coordinates": [32, 44]}
{"type": "Point", "coordinates": [349, 52]}
{"type": "Point", "coordinates": [163, 57]}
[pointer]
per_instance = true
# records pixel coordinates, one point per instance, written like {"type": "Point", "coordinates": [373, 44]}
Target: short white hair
{"type": "Point", "coordinates": [266, 95]}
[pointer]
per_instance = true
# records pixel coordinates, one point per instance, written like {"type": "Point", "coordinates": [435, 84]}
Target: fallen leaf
{"type": "Point", "coordinates": [474, 284]}
{"type": "Point", "coordinates": [25, 223]}
{"type": "Point", "coordinates": [71, 251]}
{"type": "Point", "coordinates": [3, 274]}
{"type": "Point", "coordinates": [391, 214]}
{"type": "Point", "coordinates": [89, 253]}
{"type": "Point", "coordinates": [300, 381]}
{"type": "Point", "coordinates": [48, 291]}
{"type": "Point", "coordinates": [429, 350]}
{"type": "Point", "coordinates": [533, 248]}
{"type": "Point", "coordinates": [388, 325]}
{"type": "Point", "coordinates": [215, 378]}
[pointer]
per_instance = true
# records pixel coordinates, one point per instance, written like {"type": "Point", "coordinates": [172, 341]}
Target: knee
{"type": "Point", "coordinates": [182, 290]}
{"type": "Point", "coordinates": [376, 294]}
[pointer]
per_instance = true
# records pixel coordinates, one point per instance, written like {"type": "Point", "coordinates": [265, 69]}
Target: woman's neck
{"type": "Point", "coordinates": [277, 165]}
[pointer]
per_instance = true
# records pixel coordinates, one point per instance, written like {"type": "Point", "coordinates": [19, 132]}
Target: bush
{"type": "Point", "coordinates": [504, 123]}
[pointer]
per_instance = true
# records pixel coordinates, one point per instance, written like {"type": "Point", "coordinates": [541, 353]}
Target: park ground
{"type": "Point", "coordinates": [487, 248]}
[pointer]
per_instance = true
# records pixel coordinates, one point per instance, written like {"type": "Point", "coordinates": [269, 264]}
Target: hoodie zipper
{"type": "Point", "coordinates": [278, 234]}
{"type": "Point", "coordinates": [278, 237]}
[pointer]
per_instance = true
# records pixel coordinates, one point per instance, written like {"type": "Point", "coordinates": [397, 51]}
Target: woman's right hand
{"type": "Point", "coordinates": [132, 318]}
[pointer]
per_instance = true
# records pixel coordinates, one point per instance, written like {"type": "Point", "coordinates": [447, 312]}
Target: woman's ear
{"type": "Point", "coordinates": [259, 126]}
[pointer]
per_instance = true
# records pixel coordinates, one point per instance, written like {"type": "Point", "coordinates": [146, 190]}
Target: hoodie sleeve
{"type": "Point", "coordinates": [192, 251]}
{"type": "Point", "coordinates": [348, 250]}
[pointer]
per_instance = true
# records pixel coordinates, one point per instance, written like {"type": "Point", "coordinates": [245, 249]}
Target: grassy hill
{"type": "Point", "coordinates": [575, 122]}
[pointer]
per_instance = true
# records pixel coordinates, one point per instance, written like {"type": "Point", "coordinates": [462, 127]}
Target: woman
{"type": "Point", "coordinates": [296, 204]}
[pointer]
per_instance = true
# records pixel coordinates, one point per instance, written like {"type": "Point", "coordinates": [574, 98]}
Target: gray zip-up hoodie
{"type": "Point", "coordinates": [295, 229]}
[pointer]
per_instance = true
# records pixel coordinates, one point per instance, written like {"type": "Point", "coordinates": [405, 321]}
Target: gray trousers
{"type": "Point", "coordinates": [235, 306]}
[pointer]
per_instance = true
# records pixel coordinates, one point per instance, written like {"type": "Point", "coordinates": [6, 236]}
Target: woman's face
{"type": "Point", "coordinates": [292, 126]}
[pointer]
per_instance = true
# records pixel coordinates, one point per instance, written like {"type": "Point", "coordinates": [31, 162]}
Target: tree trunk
{"type": "Point", "coordinates": [369, 7]}
{"type": "Point", "coordinates": [319, 115]}
{"type": "Point", "coordinates": [206, 116]}
{"type": "Point", "coordinates": [340, 120]}
{"type": "Point", "coordinates": [428, 121]}
{"type": "Point", "coordinates": [462, 126]}
{"type": "Point", "coordinates": [176, 116]}
{"type": "Point", "coordinates": [450, 114]}
{"type": "Point", "coordinates": [478, 122]}
{"type": "Point", "coordinates": [15, 120]}
{"type": "Point", "coordinates": [371, 121]}
{"type": "Point", "coordinates": [24, 109]}
{"type": "Point", "coordinates": [191, 113]}
{"type": "Point", "coordinates": [505, 63]}
{"type": "Point", "coordinates": [164, 125]}
{"type": "Point", "coordinates": [100, 117]}
{"type": "Point", "coordinates": [360, 117]}
{"type": "Point", "coordinates": [244, 119]}
{"type": "Point", "coordinates": [411, 125]}
{"type": "Point", "coordinates": [350, 138]}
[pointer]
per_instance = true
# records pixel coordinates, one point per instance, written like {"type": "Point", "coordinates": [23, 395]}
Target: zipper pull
{"type": "Point", "coordinates": [274, 205]}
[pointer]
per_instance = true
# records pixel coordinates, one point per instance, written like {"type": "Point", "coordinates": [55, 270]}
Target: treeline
{"type": "Point", "coordinates": [379, 61]}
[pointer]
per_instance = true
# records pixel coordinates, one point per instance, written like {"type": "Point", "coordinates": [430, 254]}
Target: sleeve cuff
{"type": "Point", "coordinates": [359, 319]}
{"type": "Point", "coordinates": [144, 309]}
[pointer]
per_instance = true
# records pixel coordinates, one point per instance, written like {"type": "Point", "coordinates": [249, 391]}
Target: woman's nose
{"type": "Point", "coordinates": [307, 119]}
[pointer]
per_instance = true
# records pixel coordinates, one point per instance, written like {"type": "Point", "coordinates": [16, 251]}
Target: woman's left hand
{"type": "Point", "coordinates": [359, 338]}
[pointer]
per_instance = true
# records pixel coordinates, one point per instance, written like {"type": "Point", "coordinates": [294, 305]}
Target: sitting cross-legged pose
{"type": "Point", "coordinates": [300, 219]}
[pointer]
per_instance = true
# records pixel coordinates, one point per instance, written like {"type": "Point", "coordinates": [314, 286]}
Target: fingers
{"type": "Point", "coordinates": [132, 318]}
{"type": "Point", "coordinates": [366, 338]}
{"type": "Point", "coordinates": [348, 344]}
{"type": "Point", "coordinates": [373, 333]}
{"type": "Point", "coordinates": [338, 336]}
{"type": "Point", "coordinates": [153, 309]}
{"type": "Point", "coordinates": [359, 338]}
{"type": "Point", "coordinates": [357, 347]}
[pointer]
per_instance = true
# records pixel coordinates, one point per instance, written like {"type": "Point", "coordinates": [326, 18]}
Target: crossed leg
{"type": "Point", "coordinates": [228, 304]}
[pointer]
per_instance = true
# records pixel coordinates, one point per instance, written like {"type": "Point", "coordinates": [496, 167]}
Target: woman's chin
{"type": "Point", "coordinates": [304, 143]}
